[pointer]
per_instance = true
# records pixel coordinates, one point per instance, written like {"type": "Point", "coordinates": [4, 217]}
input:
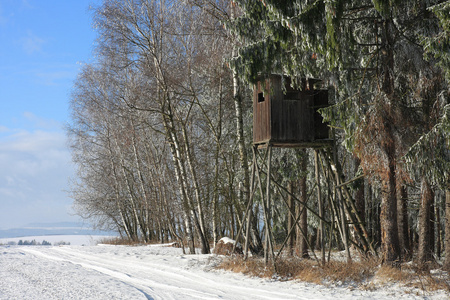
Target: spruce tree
{"type": "Point", "coordinates": [370, 53]}
{"type": "Point", "coordinates": [430, 155]}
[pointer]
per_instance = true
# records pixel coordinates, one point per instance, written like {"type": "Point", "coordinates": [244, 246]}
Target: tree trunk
{"type": "Point", "coordinates": [320, 202]}
{"type": "Point", "coordinates": [256, 244]}
{"type": "Point", "coordinates": [215, 220]}
{"type": "Point", "coordinates": [232, 221]}
{"type": "Point", "coordinates": [432, 230]}
{"type": "Point", "coordinates": [425, 249]}
{"type": "Point", "coordinates": [388, 215]}
{"type": "Point", "coordinates": [134, 205]}
{"type": "Point", "coordinates": [302, 242]}
{"type": "Point", "coordinates": [243, 158]}
{"type": "Point", "coordinates": [215, 207]}
{"type": "Point", "coordinates": [402, 222]}
{"type": "Point", "coordinates": [291, 219]}
{"type": "Point", "coordinates": [198, 216]}
{"type": "Point", "coordinates": [447, 230]}
{"type": "Point", "coordinates": [180, 175]}
{"type": "Point", "coordinates": [438, 231]}
{"type": "Point", "coordinates": [145, 200]}
{"type": "Point", "coordinates": [119, 203]}
{"type": "Point", "coordinates": [359, 194]}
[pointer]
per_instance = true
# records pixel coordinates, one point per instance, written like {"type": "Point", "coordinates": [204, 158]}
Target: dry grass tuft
{"type": "Point", "coordinates": [355, 272]}
{"type": "Point", "coordinates": [251, 266]}
{"type": "Point", "coordinates": [415, 276]}
{"type": "Point", "coordinates": [303, 269]}
{"type": "Point", "coordinates": [120, 241]}
{"type": "Point", "coordinates": [368, 274]}
{"type": "Point", "coordinates": [388, 273]}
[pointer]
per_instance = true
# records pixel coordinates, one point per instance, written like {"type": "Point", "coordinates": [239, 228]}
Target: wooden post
{"type": "Point", "coordinates": [438, 231]}
{"type": "Point", "coordinates": [249, 210]}
{"type": "Point", "coordinates": [341, 208]}
{"type": "Point", "coordinates": [266, 207]}
{"type": "Point", "coordinates": [302, 234]}
{"type": "Point", "coordinates": [291, 219]}
{"type": "Point", "coordinates": [319, 199]}
{"type": "Point", "coordinates": [265, 201]}
{"type": "Point", "coordinates": [447, 229]}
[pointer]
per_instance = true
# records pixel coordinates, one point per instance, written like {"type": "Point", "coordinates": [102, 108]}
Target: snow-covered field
{"type": "Point", "coordinates": [152, 272]}
{"type": "Point", "coordinates": [75, 240]}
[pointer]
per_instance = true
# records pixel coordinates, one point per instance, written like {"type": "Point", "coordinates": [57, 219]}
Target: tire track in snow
{"type": "Point", "coordinates": [25, 275]}
{"type": "Point", "coordinates": [144, 285]}
{"type": "Point", "coordinates": [180, 277]}
{"type": "Point", "coordinates": [158, 280]}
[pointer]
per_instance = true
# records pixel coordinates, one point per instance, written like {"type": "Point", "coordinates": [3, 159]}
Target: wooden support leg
{"type": "Point", "coordinates": [319, 198]}
{"type": "Point", "coordinates": [249, 212]}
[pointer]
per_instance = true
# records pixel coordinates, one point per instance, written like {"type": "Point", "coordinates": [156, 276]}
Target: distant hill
{"type": "Point", "coordinates": [60, 228]}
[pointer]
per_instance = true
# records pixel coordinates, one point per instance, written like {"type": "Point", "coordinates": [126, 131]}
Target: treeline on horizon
{"type": "Point", "coordinates": [161, 128]}
{"type": "Point", "coordinates": [35, 243]}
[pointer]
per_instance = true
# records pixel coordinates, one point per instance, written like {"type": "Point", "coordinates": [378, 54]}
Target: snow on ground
{"type": "Point", "coordinates": [151, 272]}
{"type": "Point", "coordinates": [76, 240]}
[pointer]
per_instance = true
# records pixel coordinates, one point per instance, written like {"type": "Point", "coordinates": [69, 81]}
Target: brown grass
{"type": "Point", "coordinates": [120, 241]}
{"type": "Point", "coordinates": [416, 276]}
{"type": "Point", "coordinates": [368, 274]}
{"type": "Point", "coordinates": [387, 274]}
{"type": "Point", "coordinates": [302, 269]}
{"type": "Point", "coordinates": [251, 267]}
{"type": "Point", "coordinates": [130, 242]}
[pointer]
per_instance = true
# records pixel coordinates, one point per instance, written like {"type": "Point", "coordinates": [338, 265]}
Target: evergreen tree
{"type": "Point", "coordinates": [369, 52]}
{"type": "Point", "coordinates": [45, 243]}
{"type": "Point", "coordinates": [430, 155]}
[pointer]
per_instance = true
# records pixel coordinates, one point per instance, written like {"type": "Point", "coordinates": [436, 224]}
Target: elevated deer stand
{"type": "Point", "coordinates": [288, 118]}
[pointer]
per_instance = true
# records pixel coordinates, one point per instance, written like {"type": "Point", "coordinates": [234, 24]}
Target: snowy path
{"type": "Point", "coordinates": [148, 272]}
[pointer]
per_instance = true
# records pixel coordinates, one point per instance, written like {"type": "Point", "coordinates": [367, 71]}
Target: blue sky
{"type": "Point", "coordinates": [43, 44]}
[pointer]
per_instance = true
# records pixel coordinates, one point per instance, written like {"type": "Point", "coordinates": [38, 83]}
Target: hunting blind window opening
{"type": "Point", "coordinates": [260, 97]}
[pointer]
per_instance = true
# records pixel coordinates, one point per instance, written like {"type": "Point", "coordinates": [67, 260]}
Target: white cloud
{"type": "Point", "coordinates": [34, 173]}
{"type": "Point", "coordinates": [40, 122]}
{"type": "Point", "coordinates": [31, 43]}
{"type": "Point", "coordinates": [32, 142]}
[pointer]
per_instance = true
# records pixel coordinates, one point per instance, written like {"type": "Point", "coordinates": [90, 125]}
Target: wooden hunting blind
{"type": "Point", "coordinates": [285, 117]}
{"type": "Point", "coordinates": [288, 117]}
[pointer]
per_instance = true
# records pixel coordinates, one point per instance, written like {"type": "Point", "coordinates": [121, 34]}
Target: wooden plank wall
{"type": "Point", "coordinates": [261, 113]}
{"type": "Point", "coordinates": [289, 118]}
{"type": "Point", "coordinates": [292, 119]}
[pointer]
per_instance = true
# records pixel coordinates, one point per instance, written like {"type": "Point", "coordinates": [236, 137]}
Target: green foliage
{"type": "Point", "coordinates": [430, 155]}
{"type": "Point", "coordinates": [334, 10]}
{"type": "Point", "coordinates": [343, 115]}
{"type": "Point", "coordinates": [346, 43]}
{"type": "Point", "coordinates": [382, 6]}
{"type": "Point", "coordinates": [288, 164]}
{"type": "Point", "coordinates": [438, 46]}
{"type": "Point", "coordinates": [279, 37]}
